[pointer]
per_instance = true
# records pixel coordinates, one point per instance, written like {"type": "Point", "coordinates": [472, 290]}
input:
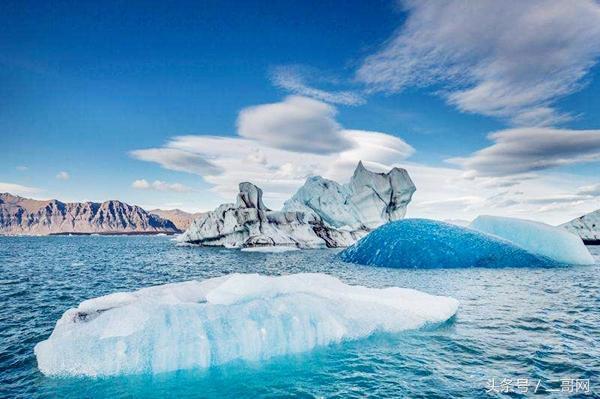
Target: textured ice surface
{"type": "Point", "coordinates": [423, 243]}
{"type": "Point", "coordinates": [249, 223]}
{"type": "Point", "coordinates": [539, 238]}
{"type": "Point", "coordinates": [197, 324]}
{"type": "Point", "coordinates": [369, 200]}
{"type": "Point", "coordinates": [587, 226]}
{"type": "Point", "coordinates": [322, 213]}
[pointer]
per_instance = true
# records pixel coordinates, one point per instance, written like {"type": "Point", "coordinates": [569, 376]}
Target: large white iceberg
{"type": "Point", "coordinates": [249, 223]}
{"type": "Point", "coordinates": [369, 200]}
{"type": "Point", "coordinates": [323, 213]}
{"type": "Point", "coordinates": [538, 238]}
{"type": "Point", "coordinates": [196, 324]}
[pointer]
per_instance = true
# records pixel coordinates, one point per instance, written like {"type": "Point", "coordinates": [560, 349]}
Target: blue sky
{"type": "Point", "coordinates": [124, 99]}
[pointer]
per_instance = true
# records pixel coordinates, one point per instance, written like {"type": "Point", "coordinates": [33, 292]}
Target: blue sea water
{"type": "Point", "coordinates": [540, 324]}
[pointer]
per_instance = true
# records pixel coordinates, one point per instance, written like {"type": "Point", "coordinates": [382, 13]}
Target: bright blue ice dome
{"type": "Point", "coordinates": [424, 243]}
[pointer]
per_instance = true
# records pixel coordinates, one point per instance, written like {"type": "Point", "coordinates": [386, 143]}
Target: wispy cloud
{"type": "Point", "coordinates": [525, 150]}
{"type": "Point", "coordinates": [510, 59]}
{"type": "Point", "coordinates": [293, 80]}
{"type": "Point", "coordinates": [18, 189]}
{"type": "Point", "coordinates": [63, 175]}
{"type": "Point", "coordinates": [176, 159]}
{"type": "Point", "coordinates": [592, 189]}
{"type": "Point", "coordinates": [158, 185]}
{"type": "Point", "coordinates": [22, 168]}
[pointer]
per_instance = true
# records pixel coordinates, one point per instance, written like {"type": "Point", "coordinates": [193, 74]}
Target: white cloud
{"type": "Point", "coordinates": [292, 80]}
{"type": "Point", "coordinates": [525, 150]}
{"type": "Point", "coordinates": [592, 189]}
{"type": "Point", "coordinates": [22, 168]}
{"type": "Point", "coordinates": [158, 185]}
{"type": "Point", "coordinates": [298, 124]}
{"type": "Point", "coordinates": [280, 172]}
{"type": "Point", "coordinates": [141, 184]}
{"type": "Point", "coordinates": [442, 192]}
{"type": "Point", "coordinates": [279, 160]}
{"type": "Point", "coordinates": [510, 59]}
{"type": "Point", "coordinates": [18, 189]}
{"type": "Point", "coordinates": [174, 159]}
{"type": "Point", "coordinates": [63, 175]}
{"type": "Point", "coordinates": [445, 193]}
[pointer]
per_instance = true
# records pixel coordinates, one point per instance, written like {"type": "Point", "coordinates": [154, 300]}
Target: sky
{"type": "Point", "coordinates": [492, 107]}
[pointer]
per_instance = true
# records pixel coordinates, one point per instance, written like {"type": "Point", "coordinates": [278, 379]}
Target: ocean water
{"type": "Point", "coordinates": [540, 326]}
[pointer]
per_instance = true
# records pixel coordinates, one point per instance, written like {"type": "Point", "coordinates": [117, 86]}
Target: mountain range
{"type": "Point", "coordinates": [24, 216]}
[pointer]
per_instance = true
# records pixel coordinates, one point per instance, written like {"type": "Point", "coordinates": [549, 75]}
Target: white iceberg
{"type": "Point", "coordinates": [321, 214]}
{"type": "Point", "coordinates": [369, 200]}
{"type": "Point", "coordinates": [538, 238]}
{"type": "Point", "coordinates": [249, 223]}
{"type": "Point", "coordinates": [587, 227]}
{"type": "Point", "coordinates": [197, 324]}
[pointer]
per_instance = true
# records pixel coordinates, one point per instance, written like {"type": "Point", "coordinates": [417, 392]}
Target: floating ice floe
{"type": "Point", "coordinates": [539, 238]}
{"type": "Point", "coordinates": [423, 243]}
{"type": "Point", "coordinates": [197, 324]}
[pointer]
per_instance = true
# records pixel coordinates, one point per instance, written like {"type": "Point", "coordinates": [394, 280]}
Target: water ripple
{"type": "Point", "coordinates": [512, 323]}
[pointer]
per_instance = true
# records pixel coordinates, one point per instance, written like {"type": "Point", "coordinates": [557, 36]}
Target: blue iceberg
{"type": "Point", "coordinates": [423, 243]}
{"type": "Point", "coordinates": [197, 324]}
{"type": "Point", "coordinates": [539, 238]}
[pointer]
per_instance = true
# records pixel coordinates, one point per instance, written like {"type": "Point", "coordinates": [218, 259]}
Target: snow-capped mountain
{"type": "Point", "coordinates": [34, 217]}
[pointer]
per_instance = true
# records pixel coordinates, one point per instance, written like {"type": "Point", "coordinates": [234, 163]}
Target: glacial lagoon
{"type": "Point", "coordinates": [534, 323]}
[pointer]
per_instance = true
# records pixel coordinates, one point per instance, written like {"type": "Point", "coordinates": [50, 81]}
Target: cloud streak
{"type": "Point", "coordinates": [292, 80]}
{"type": "Point", "coordinates": [63, 175]}
{"type": "Point", "coordinates": [18, 189]}
{"type": "Point", "coordinates": [158, 185]}
{"type": "Point", "coordinates": [525, 150]}
{"type": "Point", "coordinates": [176, 159]}
{"type": "Point", "coordinates": [509, 59]}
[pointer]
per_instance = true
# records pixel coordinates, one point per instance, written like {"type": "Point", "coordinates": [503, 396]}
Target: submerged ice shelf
{"type": "Point", "coordinates": [197, 324]}
{"type": "Point", "coordinates": [423, 243]}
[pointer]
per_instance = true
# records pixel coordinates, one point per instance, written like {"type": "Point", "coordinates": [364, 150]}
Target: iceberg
{"type": "Point", "coordinates": [423, 243]}
{"type": "Point", "coordinates": [586, 226]}
{"type": "Point", "coordinates": [538, 238]}
{"type": "Point", "coordinates": [198, 324]}
{"type": "Point", "coordinates": [369, 200]}
{"type": "Point", "coordinates": [249, 223]}
{"type": "Point", "coordinates": [323, 213]}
